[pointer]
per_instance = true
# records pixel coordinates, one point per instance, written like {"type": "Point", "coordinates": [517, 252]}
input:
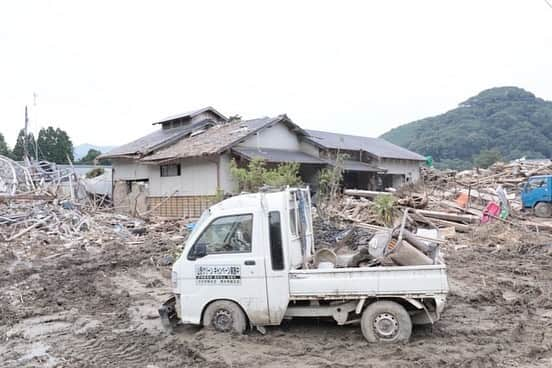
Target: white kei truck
{"type": "Point", "coordinates": [247, 264]}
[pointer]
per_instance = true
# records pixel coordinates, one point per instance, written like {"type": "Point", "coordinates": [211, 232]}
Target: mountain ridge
{"type": "Point", "coordinates": [508, 120]}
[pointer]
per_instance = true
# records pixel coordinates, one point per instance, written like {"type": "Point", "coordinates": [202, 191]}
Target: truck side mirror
{"type": "Point", "coordinates": [200, 250]}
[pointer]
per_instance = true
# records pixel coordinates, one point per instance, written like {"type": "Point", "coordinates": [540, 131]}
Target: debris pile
{"type": "Point", "coordinates": [41, 205]}
{"type": "Point", "coordinates": [48, 222]}
{"type": "Point", "coordinates": [14, 177]}
{"type": "Point", "coordinates": [482, 204]}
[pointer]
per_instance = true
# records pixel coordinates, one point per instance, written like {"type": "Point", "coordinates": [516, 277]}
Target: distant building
{"type": "Point", "coordinates": [179, 169]}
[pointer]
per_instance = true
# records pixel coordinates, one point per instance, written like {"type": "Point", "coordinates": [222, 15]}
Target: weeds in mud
{"type": "Point", "coordinates": [383, 207]}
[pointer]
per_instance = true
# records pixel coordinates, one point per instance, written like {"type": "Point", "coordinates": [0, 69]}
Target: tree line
{"type": "Point", "coordinates": [52, 144]}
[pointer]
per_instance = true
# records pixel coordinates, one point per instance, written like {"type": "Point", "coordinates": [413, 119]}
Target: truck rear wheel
{"type": "Point", "coordinates": [224, 316]}
{"type": "Point", "coordinates": [543, 209]}
{"type": "Point", "coordinates": [387, 322]}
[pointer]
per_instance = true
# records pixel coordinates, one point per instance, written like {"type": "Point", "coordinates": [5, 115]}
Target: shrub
{"type": "Point", "coordinates": [256, 175]}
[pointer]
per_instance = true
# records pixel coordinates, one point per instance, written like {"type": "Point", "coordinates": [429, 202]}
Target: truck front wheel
{"type": "Point", "coordinates": [224, 316]}
{"type": "Point", "coordinates": [387, 322]}
{"type": "Point", "coordinates": [543, 209]}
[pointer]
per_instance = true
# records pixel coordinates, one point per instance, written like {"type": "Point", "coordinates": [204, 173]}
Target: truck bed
{"type": "Point", "coordinates": [350, 283]}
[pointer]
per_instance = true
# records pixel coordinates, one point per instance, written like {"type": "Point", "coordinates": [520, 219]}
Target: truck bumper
{"type": "Point", "coordinates": [167, 312]}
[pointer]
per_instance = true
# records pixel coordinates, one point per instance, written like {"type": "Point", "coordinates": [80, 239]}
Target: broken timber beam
{"type": "Point", "coordinates": [449, 216]}
{"type": "Point", "coordinates": [24, 197]}
{"type": "Point", "coordinates": [364, 193]}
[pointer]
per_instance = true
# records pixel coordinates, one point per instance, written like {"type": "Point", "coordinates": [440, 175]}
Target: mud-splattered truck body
{"type": "Point", "coordinates": [246, 263]}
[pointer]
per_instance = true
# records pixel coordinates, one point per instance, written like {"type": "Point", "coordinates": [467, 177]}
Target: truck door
{"type": "Point", "coordinates": [535, 191]}
{"type": "Point", "coordinates": [231, 267]}
{"type": "Point", "coordinates": [276, 268]}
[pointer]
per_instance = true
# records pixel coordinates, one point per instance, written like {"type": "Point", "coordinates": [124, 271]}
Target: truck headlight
{"type": "Point", "coordinates": [174, 280]}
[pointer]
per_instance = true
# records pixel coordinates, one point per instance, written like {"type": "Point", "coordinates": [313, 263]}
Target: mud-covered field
{"type": "Point", "coordinates": [97, 307]}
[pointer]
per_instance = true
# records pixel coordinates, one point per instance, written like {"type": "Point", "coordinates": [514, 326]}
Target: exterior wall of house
{"type": "Point", "coordinates": [124, 169]}
{"type": "Point", "coordinates": [197, 177]}
{"type": "Point", "coordinates": [410, 169]}
{"type": "Point", "coordinates": [309, 149]}
{"type": "Point", "coordinates": [196, 186]}
{"type": "Point", "coordinates": [180, 206]}
{"type": "Point", "coordinates": [278, 137]}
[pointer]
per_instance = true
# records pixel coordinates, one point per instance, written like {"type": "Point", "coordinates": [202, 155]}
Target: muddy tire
{"type": "Point", "coordinates": [386, 322]}
{"type": "Point", "coordinates": [224, 316]}
{"type": "Point", "coordinates": [543, 209]}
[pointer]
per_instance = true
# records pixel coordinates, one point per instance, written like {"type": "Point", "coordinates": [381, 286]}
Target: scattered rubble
{"type": "Point", "coordinates": [448, 200]}
{"type": "Point", "coordinates": [40, 205]}
{"type": "Point", "coordinates": [81, 284]}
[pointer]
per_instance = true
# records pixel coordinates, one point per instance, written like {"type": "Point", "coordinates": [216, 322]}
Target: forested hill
{"type": "Point", "coordinates": [504, 122]}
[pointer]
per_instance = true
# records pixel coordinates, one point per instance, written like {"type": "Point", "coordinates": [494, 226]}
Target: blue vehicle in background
{"type": "Point", "coordinates": [537, 195]}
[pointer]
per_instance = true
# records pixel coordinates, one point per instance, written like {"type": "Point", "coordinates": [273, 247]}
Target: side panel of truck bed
{"type": "Point", "coordinates": [370, 281]}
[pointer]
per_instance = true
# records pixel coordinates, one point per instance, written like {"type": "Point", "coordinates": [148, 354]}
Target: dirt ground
{"type": "Point", "coordinates": [97, 307]}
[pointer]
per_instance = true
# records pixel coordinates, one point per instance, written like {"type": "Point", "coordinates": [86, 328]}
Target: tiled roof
{"type": "Point", "coordinates": [376, 146]}
{"type": "Point", "coordinates": [277, 155]}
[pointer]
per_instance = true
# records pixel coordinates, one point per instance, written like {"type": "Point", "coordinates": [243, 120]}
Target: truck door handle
{"type": "Point", "coordinates": [249, 262]}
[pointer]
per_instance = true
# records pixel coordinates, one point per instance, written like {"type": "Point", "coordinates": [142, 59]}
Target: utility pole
{"type": "Point", "coordinates": [25, 140]}
{"type": "Point", "coordinates": [36, 122]}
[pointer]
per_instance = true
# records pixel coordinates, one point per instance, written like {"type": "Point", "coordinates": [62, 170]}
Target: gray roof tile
{"type": "Point", "coordinates": [153, 141]}
{"type": "Point", "coordinates": [278, 155]}
{"type": "Point", "coordinates": [376, 146]}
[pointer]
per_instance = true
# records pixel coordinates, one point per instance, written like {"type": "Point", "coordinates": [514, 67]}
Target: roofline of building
{"type": "Point", "coordinates": [191, 114]}
{"type": "Point", "coordinates": [320, 145]}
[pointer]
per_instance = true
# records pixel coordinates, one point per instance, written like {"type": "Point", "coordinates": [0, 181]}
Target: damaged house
{"type": "Point", "coordinates": [370, 163]}
{"type": "Point", "coordinates": [180, 169]}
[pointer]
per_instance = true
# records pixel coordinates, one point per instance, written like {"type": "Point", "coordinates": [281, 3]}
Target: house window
{"type": "Point", "coordinates": [170, 170]}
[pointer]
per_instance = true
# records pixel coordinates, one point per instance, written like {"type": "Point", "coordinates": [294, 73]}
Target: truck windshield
{"type": "Point", "coordinates": [228, 234]}
{"type": "Point", "coordinates": [536, 183]}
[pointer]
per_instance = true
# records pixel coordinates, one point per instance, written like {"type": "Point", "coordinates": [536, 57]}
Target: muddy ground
{"type": "Point", "coordinates": [96, 307]}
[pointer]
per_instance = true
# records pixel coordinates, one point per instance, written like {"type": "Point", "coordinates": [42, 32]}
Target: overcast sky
{"type": "Point", "coordinates": [104, 71]}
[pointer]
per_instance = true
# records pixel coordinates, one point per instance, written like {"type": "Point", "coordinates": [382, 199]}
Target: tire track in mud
{"type": "Point", "coordinates": [499, 314]}
{"type": "Point", "coordinates": [120, 349]}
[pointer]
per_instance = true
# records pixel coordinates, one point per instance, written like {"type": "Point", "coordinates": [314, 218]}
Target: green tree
{"type": "Point", "coordinates": [330, 179]}
{"type": "Point", "coordinates": [486, 158]}
{"type": "Point", "coordinates": [19, 148]}
{"type": "Point", "coordinates": [4, 150]}
{"type": "Point", "coordinates": [54, 145]}
{"type": "Point", "coordinates": [256, 175]}
{"type": "Point", "coordinates": [90, 156]}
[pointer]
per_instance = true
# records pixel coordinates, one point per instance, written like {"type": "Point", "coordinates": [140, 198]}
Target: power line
{"type": "Point", "coordinates": [548, 3]}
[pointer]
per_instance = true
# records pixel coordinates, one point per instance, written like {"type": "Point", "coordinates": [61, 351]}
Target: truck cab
{"type": "Point", "coordinates": [248, 262]}
{"type": "Point", "coordinates": [537, 195]}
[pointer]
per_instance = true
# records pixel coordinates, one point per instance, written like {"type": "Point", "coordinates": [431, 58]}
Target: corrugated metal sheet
{"type": "Point", "coordinates": [376, 146]}
{"type": "Point", "coordinates": [278, 156]}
